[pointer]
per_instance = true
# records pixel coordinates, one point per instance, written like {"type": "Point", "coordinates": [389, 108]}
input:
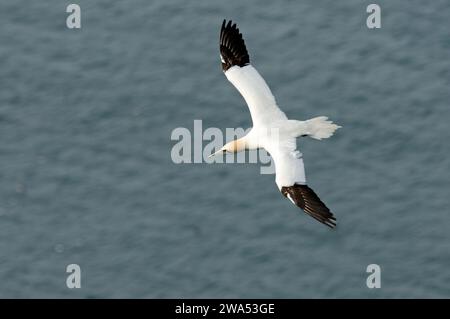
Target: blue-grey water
{"type": "Point", "coordinates": [86, 175]}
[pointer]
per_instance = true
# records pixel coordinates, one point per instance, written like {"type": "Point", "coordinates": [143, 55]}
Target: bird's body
{"type": "Point", "coordinates": [272, 130]}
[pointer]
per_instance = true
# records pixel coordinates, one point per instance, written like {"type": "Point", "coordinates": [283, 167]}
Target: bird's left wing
{"type": "Point", "coordinates": [290, 178]}
{"type": "Point", "coordinates": [239, 71]}
{"type": "Point", "coordinates": [305, 198]}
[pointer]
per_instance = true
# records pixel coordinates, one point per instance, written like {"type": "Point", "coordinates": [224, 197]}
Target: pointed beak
{"type": "Point", "coordinates": [213, 154]}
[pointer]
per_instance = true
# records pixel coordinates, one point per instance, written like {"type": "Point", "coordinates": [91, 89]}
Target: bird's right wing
{"type": "Point", "coordinates": [239, 71]}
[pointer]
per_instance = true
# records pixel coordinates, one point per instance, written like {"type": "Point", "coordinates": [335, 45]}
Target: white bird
{"type": "Point", "coordinates": [272, 130]}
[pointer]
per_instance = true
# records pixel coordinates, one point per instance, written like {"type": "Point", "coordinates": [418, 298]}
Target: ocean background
{"type": "Point", "coordinates": [86, 174]}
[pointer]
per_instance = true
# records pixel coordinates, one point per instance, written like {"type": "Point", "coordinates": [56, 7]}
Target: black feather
{"type": "Point", "coordinates": [232, 46]}
{"type": "Point", "coordinates": [305, 198]}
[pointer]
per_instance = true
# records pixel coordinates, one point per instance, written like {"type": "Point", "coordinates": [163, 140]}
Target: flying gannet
{"type": "Point", "coordinates": [272, 130]}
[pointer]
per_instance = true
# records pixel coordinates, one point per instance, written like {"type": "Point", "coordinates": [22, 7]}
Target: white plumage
{"type": "Point", "coordinates": [259, 98]}
{"type": "Point", "coordinates": [272, 130]}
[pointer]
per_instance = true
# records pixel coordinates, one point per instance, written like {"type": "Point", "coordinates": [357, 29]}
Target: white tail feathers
{"type": "Point", "coordinates": [319, 128]}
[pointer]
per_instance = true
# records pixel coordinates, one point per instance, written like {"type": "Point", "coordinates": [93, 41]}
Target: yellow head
{"type": "Point", "coordinates": [231, 147]}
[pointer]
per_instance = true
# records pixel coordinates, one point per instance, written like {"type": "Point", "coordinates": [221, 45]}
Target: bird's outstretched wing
{"type": "Point", "coordinates": [232, 47]}
{"type": "Point", "coordinates": [239, 71]}
{"type": "Point", "coordinates": [305, 198]}
{"type": "Point", "coordinates": [290, 178]}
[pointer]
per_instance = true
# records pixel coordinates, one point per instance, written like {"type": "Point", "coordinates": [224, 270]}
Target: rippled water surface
{"type": "Point", "coordinates": [86, 175]}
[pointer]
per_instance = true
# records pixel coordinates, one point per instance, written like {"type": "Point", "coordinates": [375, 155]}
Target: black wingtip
{"type": "Point", "coordinates": [305, 198]}
{"type": "Point", "coordinates": [232, 46]}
